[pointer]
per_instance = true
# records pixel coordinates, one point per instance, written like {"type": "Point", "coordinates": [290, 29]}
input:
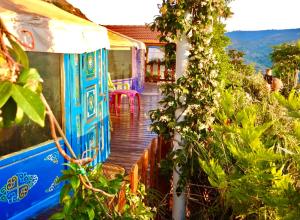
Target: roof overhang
{"type": "Point", "coordinates": [119, 41]}
{"type": "Point", "coordinates": [52, 29]}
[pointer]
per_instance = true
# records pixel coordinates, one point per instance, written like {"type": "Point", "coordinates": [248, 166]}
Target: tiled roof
{"type": "Point", "coordinates": [138, 32]}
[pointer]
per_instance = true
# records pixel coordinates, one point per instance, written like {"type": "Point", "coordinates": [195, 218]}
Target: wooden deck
{"type": "Point", "coordinates": [131, 135]}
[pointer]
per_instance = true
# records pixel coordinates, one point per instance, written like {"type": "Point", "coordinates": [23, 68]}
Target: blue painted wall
{"type": "Point", "coordinates": [28, 178]}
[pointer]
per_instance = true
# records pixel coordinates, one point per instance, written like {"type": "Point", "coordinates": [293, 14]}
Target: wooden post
{"type": "Point", "coordinates": [152, 163]}
{"type": "Point", "coordinates": [173, 74]}
{"type": "Point", "coordinates": [145, 163]}
{"type": "Point", "coordinates": [151, 72]}
{"type": "Point", "coordinates": [166, 74]}
{"type": "Point", "coordinates": [134, 178]}
{"type": "Point", "coordinates": [158, 70]}
{"type": "Point", "coordinates": [121, 198]}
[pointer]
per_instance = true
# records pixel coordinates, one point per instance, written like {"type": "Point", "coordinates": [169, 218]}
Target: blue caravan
{"type": "Point", "coordinates": [70, 53]}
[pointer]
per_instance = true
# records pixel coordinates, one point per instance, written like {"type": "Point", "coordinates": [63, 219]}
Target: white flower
{"type": "Point", "coordinates": [178, 128]}
{"type": "Point", "coordinates": [176, 91]}
{"type": "Point", "coordinates": [206, 41]}
{"type": "Point", "coordinates": [185, 129]}
{"type": "Point", "coordinates": [164, 118]}
{"type": "Point", "coordinates": [171, 103]}
{"type": "Point", "coordinates": [248, 97]}
{"type": "Point", "coordinates": [200, 65]}
{"type": "Point", "coordinates": [213, 73]}
{"type": "Point", "coordinates": [182, 99]}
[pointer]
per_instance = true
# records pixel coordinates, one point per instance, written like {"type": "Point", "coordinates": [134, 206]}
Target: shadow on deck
{"type": "Point", "coordinates": [131, 135]}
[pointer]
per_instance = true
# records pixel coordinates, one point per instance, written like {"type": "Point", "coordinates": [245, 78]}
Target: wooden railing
{"type": "Point", "coordinates": [146, 170]}
{"type": "Point", "coordinates": [160, 73]}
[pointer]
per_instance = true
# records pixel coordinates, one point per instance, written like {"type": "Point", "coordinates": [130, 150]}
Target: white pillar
{"type": "Point", "coordinates": [182, 53]}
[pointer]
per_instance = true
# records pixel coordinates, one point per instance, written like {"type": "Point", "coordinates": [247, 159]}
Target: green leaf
{"type": "Point", "coordinates": [56, 216]}
{"type": "Point", "coordinates": [75, 182]}
{"type": "Point", "coordinates": [19, 115]}
{"type": "Point", "coordinates": [64, 191]}
{"type": "Point", "coordinates": [103, 181]}
{"type": "Point", "coordinates": [30, 103]}
{"type": "Point", "coordinates": [5, 92]}
{"type": "Point", "coordinates": [21, 54]}
{"type": "Point", "coordinates": [28, 76]}
{"type": "Point", "coordinates": [9, 111]}
{"type": "Point", "coordinates": [73, 166]}
{"type": "Point", "coordinates": [91, 213]}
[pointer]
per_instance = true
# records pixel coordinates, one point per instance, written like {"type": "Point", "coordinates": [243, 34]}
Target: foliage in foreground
{"type": "Point", "coordinates": [239, 155]}
{"type": "Point", "coordinates": [253, 158]}
{"type": "Point", "coordinates": [78, 202]}
{"type": "Point", "coordinates": [20, 85]}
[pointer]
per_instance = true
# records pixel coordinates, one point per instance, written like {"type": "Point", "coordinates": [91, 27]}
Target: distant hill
{"type": "Point", "coordinates": [257, 45]}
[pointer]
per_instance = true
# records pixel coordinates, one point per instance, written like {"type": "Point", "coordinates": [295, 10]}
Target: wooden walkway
{"type": "Point", "coordinates": [131, 134]}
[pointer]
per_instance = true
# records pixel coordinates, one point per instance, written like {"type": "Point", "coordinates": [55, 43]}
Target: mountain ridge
{"type": "Point", "coordinates": [257, 45]}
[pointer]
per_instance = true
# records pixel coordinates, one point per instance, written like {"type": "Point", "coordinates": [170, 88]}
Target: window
{"type": "Point", "coordinates": [28, 134]}
{"type": "Point", "coordinates": [120, 64]}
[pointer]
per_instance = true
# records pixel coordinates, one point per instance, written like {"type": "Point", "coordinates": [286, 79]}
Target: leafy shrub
{"type": "Point", "coordinates": [253, 155]}
{"type": "Point", "coordinates": [78, 202]}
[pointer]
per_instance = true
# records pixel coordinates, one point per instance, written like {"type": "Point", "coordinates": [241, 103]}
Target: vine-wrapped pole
{"type": "Point", "coordinates": [182, 53]}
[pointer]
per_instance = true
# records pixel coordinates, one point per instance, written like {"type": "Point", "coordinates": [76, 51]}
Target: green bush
{"type": "Point", "coordinates": [252, 159]}
{"type": "Point", "coordinates": [78, 202]}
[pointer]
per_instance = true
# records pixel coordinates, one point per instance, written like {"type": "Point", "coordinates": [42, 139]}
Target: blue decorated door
{"type": "Point", "coordinates": [88, 114]}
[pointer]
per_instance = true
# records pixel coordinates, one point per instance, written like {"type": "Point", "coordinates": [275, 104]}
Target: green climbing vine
{"type": "Point", "coordinates": [195, 92]}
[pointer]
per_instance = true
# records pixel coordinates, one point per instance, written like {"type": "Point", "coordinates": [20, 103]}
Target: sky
{"type": "Point", "coordinates": [248, 14]}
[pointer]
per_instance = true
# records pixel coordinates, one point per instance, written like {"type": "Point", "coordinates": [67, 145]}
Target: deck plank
{"type": "Point", "coordinates": [131, 135]}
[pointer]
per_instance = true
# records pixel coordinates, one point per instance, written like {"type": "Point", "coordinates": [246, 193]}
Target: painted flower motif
{"type": "Point", "coordinates": [53, 185]}
{"type": "Point", "coordinates": [17, 187]}
{"type": "Point", "coordinates": [52, 157]}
